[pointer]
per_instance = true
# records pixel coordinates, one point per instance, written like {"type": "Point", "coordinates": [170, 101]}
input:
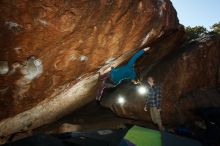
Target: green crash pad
{"type": "Point", "coordinates": [143, 137]}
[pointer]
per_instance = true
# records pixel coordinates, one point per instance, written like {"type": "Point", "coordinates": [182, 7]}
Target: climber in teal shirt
{"type": "Point", "coordinates": [116, 75]}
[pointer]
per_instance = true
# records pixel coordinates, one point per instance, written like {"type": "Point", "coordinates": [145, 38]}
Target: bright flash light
{"type": "Point", "coordinates": [121, 100]}
{"type": "Point", "coordinates": [142, 90]}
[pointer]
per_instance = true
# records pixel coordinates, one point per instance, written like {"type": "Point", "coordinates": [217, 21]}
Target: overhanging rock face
{"type": "Point", "coordinates": [189, 78]}
{"type": "Point", "coordinates": [54, 49]}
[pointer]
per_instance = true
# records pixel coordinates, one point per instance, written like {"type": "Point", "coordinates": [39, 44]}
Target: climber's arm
{"type": "Point", "coordinates": [137, 55]}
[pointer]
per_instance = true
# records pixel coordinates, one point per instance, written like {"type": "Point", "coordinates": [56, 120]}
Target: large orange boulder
{"type": "Point", "coordinates": [51, 52]}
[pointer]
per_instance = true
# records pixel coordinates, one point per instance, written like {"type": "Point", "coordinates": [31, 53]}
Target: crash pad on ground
{"type": "Point", "coordinates": [143, 137]}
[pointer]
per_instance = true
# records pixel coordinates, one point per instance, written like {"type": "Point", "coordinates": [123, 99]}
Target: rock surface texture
{"type": "Point", "coordinates": [51, 53]}
{"type": "Point", "coordinates": [189, 78]}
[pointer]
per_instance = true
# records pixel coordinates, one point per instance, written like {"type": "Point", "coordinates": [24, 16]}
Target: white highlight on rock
{"type": "Point", "coordinates": [17, 50]}
{"type": "Point", "coordinates": [83, 58]}
{"type": "Point", "coordinates": [140, 6]}
{"type": "Point", "coordinates": [82, 76]}
{"type": "Point", "coordinates": [43, 22]}
{"type": "Point", "coordinates": [12, 25]}
{"type": "Point", "coordinates": [200, 46]}
{"type": "Point", "coordinates": [73, 57]}
{"type": "Point", "coordinates": [4, 90]}
{"type": "Point", "coordinates": [81, 41]}
{"type": "Point", "coordinates": [162, 4]}
{"type": "Point", "coordinates": [32, 69]}
{"type": "Point", "coordinates": [4, 67]}
{"type": "Point", "coordinates": [161, 13]}
{"type": "Point", "coordinates": [110, 60]}
{"type": "Point", "coordinates": [145, 39]}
